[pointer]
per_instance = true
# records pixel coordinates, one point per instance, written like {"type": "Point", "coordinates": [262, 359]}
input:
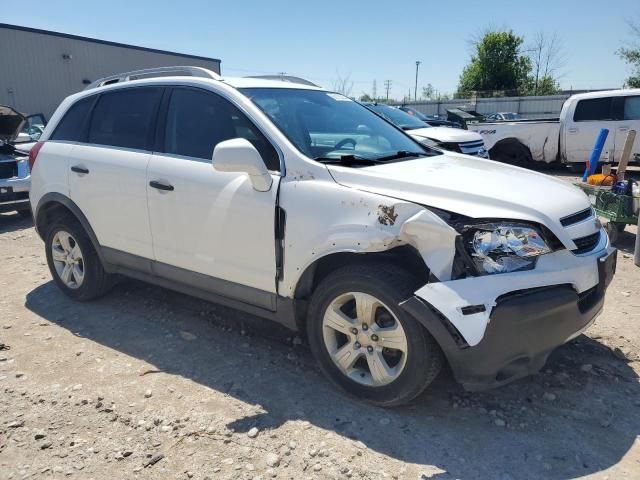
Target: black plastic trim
{"type": "Point", "coordinates": [576, 217]}
{"type": "Point", "coordinates": [524, 328]}
{"type": "Point", "coordinates": [206, 283]}
{"type": "Point", "coordinates": [54, 197]}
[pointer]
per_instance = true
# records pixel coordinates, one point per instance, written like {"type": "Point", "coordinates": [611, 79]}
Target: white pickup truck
{"type": "Point", "coordinates": [570, 138]}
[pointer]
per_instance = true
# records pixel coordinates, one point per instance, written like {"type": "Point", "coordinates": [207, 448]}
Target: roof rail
{"type": "Point", "coordinates": [285, 78]}
{"type": "Point", "coordinates": [155, 72]}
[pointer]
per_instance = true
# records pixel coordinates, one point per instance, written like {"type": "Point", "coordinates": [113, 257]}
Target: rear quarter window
{"type": "Point", "coordinates": [72, 126]}
{"type": "Point", "coordinates": [125, 118]}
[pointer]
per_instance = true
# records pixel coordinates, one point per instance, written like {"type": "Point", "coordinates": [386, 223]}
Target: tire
{"type": "Point", "coordinates": [513, 153]}
{"type": "Point", "coordinates": [94, 281]}
{"type": "Point", "coordinates": [415, 368]}
{"type": "Point", "coordinates": [613, 231]}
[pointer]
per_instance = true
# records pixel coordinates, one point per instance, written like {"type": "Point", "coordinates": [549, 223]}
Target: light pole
{"type": "Point", "coordinates": [415, 91]}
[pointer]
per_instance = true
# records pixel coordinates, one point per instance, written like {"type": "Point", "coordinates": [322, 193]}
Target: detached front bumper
{"type": "Point", "coordinates": [523, 328]}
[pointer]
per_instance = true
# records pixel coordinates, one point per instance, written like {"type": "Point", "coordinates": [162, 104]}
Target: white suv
{"type": "Point", "coordinates": [301, 206]}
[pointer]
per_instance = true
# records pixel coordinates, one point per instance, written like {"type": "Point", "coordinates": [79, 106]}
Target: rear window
{"type": "Point", "coordinates": [125, 118]}
{"type": "Point", "coordinates": [72, 126]}
{"type": "Point", "coordinates": [593, 109]}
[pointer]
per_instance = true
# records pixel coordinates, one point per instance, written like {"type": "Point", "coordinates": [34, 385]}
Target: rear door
{"type": "Point", "coordinates": [582, 128]}
{"type": "Point", "coordinates": [629, 108]}
{"type": "Point", "coordinates": [107, 172]}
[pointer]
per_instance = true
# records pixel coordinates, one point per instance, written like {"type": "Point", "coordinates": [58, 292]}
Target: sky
{"type": "Point", "coordinates": [359, 40]}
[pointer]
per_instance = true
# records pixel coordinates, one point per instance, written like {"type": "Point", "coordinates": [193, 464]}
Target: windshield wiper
{"type": "Point", "coordinates": [347, 160]}
{"type": "Point", "coordinates": [401, 154]}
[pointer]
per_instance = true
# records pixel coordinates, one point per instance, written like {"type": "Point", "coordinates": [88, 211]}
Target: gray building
{"type": "Point", "coordinates": [39, 68]}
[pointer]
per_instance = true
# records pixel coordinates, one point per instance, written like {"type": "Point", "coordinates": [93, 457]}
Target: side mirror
{"type": "Point", "coordinates": [238, 155]}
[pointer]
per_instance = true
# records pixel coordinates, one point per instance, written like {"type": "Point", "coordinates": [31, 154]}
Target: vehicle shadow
{"type": "Point", "coordinates": [627, 240]}
{"type": "Point", "coordinates": [11, 222]}
{"type": "Point", "coordinates": [513, 432]}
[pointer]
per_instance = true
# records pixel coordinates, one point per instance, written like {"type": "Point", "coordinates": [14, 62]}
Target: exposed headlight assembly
{"type": "Point", "coordinates": [503, 248]}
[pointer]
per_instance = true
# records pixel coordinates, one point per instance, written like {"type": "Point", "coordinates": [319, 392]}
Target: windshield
{"type": "Point", "coordinates": [415, 113]}
{"type": "Point", "coordinates": [511, 116]}
{"type": "Point", "coordinates": [398, 117]}
{"type": "Point", "coordinates": [325, 125]}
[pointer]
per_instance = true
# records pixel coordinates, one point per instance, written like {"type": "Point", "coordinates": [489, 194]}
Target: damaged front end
{"type": "Point", "coordinates": [505, 295]}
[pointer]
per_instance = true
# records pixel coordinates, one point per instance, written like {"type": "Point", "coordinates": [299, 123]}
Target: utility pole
{"type": "Point", "coordinates": [387, 86]}
{"type": "Point", "coordinates": [415, 91]}
{"type": "Point", "coordinates": [375, 91]}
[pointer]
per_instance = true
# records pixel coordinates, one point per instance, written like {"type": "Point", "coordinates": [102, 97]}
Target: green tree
{"type": "Point", "coordinates": [546, 86]}
{"type": "Point", "coordinates": [428, 92]}
{"type": "Point", "coordinates": [631, 55]}
{"type": "Point", "coordinates": [498, 64]}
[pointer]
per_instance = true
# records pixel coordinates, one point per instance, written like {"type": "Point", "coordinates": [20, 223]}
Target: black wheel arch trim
{"type": "Point", "coordinates": [55, 197]}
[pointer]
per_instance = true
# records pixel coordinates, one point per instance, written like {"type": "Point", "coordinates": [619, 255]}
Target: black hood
{"type": "Point", "coordinates": [10, 123]}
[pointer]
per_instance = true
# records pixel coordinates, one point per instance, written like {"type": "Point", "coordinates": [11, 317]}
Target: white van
{"type": "Point", "coordinates": [301, 206]}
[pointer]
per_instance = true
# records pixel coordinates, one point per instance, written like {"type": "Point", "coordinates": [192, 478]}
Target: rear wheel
{"type": "Point", "coordinates": [73, 262]}
{"type": "Point", "coordinates": [364, 342]}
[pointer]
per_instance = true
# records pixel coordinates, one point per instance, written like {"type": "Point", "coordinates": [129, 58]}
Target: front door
{"type": "Point", "coordinates": [211, 229]}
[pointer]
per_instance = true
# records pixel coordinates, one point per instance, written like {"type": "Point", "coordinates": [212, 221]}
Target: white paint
{"type": "Point", "coordinates": [239, 156]}
{"type": "Point", "coordinates": [216, 223]}
{"type": "Point", "coordinates": [474, 187]}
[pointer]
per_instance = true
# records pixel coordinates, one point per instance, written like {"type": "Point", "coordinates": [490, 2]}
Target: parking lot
{"type": "Point", "coordinates": [147, 383]}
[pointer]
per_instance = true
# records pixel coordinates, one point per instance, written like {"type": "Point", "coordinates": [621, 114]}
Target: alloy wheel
{"type": "Point", "coordinates": [67, 259]}
{"type": "Point", "coordinates": [364, 339]}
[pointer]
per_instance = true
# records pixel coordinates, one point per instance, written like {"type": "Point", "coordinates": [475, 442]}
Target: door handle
{"type": "Point", "coordinates": [78, 169]}
{"type": "Point", "coordinates": [161, 186]}
{"type": "Point", "coordinates": [573, 130]}
{"type": "Point", "coordinates": [623, 129]}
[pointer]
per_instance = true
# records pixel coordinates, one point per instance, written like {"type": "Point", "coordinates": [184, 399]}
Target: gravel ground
{"type": "Point", "coordinates": [147, 383]}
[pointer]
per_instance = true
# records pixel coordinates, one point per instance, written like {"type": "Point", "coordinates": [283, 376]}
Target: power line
{"type": "Point", "coordinates": [415, 91]}
{"type": "Point", "coordinates": [387, 86]}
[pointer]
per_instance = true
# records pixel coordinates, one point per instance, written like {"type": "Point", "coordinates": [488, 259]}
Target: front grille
{"type": "Point", "coordinates": [586, 244]}
{"type": "Point", "coordinates": [12, 196]}
{"type": "Point", "coordinates": [8, 169]}
{"type": "Point", "coordinates": [576, 217]}
{"type": "Point", "coordinates": [471, 148]}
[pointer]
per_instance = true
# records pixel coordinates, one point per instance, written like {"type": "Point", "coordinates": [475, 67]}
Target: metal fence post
{"type": "Point", "coordinates": [636, 252]}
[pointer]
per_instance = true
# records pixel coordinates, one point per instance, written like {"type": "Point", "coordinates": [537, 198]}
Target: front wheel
{"type": "Point", "coordinates": [364, 342]}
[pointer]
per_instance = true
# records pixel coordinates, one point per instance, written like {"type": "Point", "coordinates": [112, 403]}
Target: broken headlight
{"type": "Point", "coordinates": [501, 248]}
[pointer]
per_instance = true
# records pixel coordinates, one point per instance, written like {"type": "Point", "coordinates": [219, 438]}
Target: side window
{"type": "Point", "coordinates": [632, 108]}
{"type": "Point", "coordinates": [125, 118]}
{"type": "Point", "coordinates": [593, 109]}
{"type": "Point", "coordinates": [197, 121]}
{"type": "Point", "coordinates": [72, 125]}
